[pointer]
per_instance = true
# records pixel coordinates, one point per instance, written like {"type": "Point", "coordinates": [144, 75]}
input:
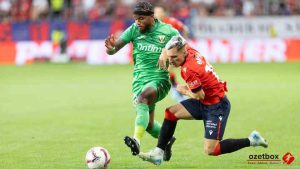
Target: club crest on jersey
{"type": "Point", "coordinates": [161, 38]}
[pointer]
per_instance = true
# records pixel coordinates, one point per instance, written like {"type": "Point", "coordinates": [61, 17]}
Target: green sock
{"type": "Point", "coordinates": [141, 120]}
{"type": "Point", "coordinates": [155, 130]}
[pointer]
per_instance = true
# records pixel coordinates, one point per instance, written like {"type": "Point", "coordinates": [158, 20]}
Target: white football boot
{"type": "Point", "coordinates": [154, 156]}
{"type": "Point", "coordinates": [257, 140]}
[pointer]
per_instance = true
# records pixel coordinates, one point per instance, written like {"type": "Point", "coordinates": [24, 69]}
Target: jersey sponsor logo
{"type": "Point", "coordinates": [211, 124]}
{"type": "Point", "coordinates": [161, 38]}
{"type": "Point", "coordinates": [149, 48]}
{"type": "Point", "coordinates": [141, 37]}
{"type": "Point", "coordinates": [193, 83]}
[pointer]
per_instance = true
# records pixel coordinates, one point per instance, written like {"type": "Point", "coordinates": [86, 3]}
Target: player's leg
{"type": "Point", "coordinates": [147, 98]}
{"type": "Point", "coordinates": [162, 88]}
{"type": "Point", "coordinates": [154, 126]}
{"type": "Point", "coordinates": [172, 114]}
{"type": "Point", "coordinates": [144, 99]}
{"type": "Point", "coordinates": [154, 130]}
{"type": "Point", "coordinates": [216, 147]}
{"type": "Point", "coordinates": [215, 123]}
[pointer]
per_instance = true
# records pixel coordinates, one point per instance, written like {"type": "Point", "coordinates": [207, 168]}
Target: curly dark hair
{"type": "Point", "coordinates": [143, 8]}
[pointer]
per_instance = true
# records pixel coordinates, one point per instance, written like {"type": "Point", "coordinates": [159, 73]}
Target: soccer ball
{"type": "Point", "coordinates": [97, 158]}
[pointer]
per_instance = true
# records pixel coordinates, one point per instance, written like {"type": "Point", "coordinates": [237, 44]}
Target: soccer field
{"type": "Point", "coordinates": [50, 115]}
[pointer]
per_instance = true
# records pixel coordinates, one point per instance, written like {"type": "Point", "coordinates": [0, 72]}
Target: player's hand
{"type": "Point", "coordinates": [162, 60]}
{"type": "Point", "coordinates": [183, 89]}
{"type": "Point", "coordinates": [110, 42]}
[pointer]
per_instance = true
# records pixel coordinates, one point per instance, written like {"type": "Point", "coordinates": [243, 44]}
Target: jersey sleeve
{"type": "Point", "coordinates": [193, 80]}
{"type": "Point", "coordinates": [127, 35]}
{"type": "Point", "coordinates": [177, 24]}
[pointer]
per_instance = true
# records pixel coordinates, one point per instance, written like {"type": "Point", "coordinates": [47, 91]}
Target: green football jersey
{"type": "Point", "coordinates": [147, 48]}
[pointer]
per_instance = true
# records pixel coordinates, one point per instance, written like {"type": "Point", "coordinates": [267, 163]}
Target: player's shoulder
{"type": "Point", "coordinates": [133, 27]}
{"type": "Point", "coordinates": [194, 60]}
{"type": "Point", "coordinates": [133, 30]}
{"type": "Point", "coordinates": [130, 33]}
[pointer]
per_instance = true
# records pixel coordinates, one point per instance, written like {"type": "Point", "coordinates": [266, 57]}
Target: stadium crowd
{"type": "Point", "coordinates": [23, 10]}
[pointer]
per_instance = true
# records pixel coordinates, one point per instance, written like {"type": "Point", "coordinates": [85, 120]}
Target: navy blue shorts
{"type": "Point", "coordinates": [214, 116]}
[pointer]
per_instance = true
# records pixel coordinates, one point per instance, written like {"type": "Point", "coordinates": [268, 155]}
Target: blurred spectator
{"type": "Point", "coordinates": [59, 40]}
{"type": "Point", "coordinates": [100, 10]}
{"type": "Point", "coordinates": [87, 5]}
{"type": "Point", "coordinates": [120, 11]}
{"type": "Point", "coordinates": [248, 8]}
{"type": "Point", "coordinates": [129, 2]}
{"type": "Point", "coordinates": [77, 10]}
{"type": "Point", "coordinates": [5, 10]}
{"type": "Point", "coordinates": [57, 8]}
{"type": "Point", "coordinates": [160, 13]}
{"type": "Point", "coordinates": [20, 10]}
{"type": "Point", "coordinates": [283, 9]}
{"type": "Point", "coordinates": [39, 9]}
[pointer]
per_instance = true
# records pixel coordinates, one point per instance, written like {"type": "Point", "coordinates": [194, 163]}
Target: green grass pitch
{"type": "Point", "coordinates": [50, 115]}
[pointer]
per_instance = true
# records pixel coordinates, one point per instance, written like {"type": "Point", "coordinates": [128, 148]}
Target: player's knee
{"type": "Point", "coordinates": [147, 97]}
{"type": "Point", "coordinates": [142, 99]}
{"type": "Point", "coordinates": [169, 115]}
{"type": "Point", "coordinates": [209, 150]}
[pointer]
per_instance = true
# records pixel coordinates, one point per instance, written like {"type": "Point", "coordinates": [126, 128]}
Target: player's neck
{"type": "Point", "coordinates": [151, 26]}
{"type": "Point", "coordinates": [185, 57]}
{"type": "Point", "coordinates": [152, 23]}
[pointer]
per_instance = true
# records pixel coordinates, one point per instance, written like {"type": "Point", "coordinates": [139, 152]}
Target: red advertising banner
{"type": "Point", "coordinates": [6, 32]}
{"type": "Point", "coordinates": [39, 31]}
{"type": "Point", "coordinates": [215, 50]}
{"type": "Point", "coordinates": [78, 31]}
{"type": "Point", "coordinates": [293, 49]}
{"type": "Point", "coordinates": [7, 53]}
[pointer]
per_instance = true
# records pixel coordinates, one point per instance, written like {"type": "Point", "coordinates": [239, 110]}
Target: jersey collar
{"type": "Point", "coordinates": [154, 26]}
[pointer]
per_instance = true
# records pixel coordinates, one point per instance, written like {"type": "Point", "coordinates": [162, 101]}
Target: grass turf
{"type": "Point", "coordinates": [50, 115]}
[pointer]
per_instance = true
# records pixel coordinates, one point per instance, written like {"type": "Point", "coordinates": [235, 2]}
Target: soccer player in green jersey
{"type": "Point", "coordinates": [150, 83]}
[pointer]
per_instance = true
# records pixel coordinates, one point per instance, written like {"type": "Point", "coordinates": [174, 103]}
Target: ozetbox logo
{"type": "Point", "coordinates": [288, 158]}
{"type": "Point", "coordinates": [265, 158]}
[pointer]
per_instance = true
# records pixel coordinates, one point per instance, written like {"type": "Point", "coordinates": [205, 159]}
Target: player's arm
{"type": "Point", "coordinates": [197, 93]}
{"type": "Point", "coordinates": [162, 60]}
{"type": "Point", "coordinates": [183, 29]}
{"type": "Point", "coordinates": [112, 45]}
